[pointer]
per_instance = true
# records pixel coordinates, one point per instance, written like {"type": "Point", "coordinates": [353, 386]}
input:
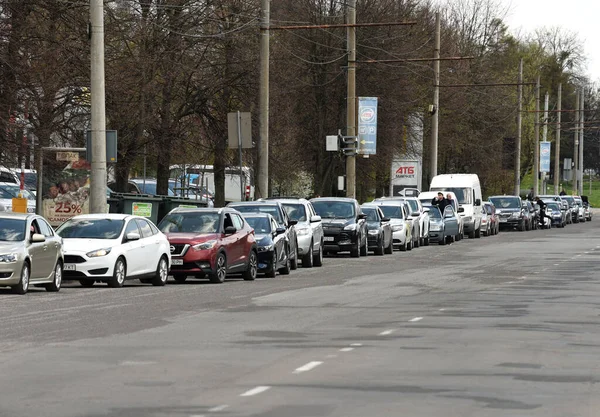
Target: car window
{"type": "Point", "coordinates": [190, 222]}
{"type": "Point", "coordinates": [144, 227]}
{"type": "Point", "coordinates": [132, 227]}
{"type": "Point", "coordinates": [7, 177]}
{"type": "Point", "coordinates": [261, 225]}
{"type": "Point", "coordinates": [393, 212]}
{"type": "Point", "coordinates": [414, 206]}
{"type": "Point", "coordinates": [238, 223]}
{"type": "Point", "coordinates": [227, 222]}
{"type": "Point", "coordinates": [154, 228]}
{"type": "Point", "coordinates": [371, 214]}
{"type": "Point", "coordinates": [448, 211]}
{"type": "Point", "coordinates": [12, 230]}
{"type": "Point", "coordinates": [91, 228]}
{"type": "Point", "coordinates": [45, 228]}
{"type": "Point", "coordinates": [506, 202]}
{"type": "Point", "coordinates": [273, 210]}
{"type": "Point", "coordinates": [295, 211]}
{"type": "Point", "coordinates": [334, 209]}
{"type": "Point", "coordinates": [435, 213]}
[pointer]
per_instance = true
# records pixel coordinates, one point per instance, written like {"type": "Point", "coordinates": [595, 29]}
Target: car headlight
{"type": "Point", "coordinates": [98, 253]}
{"type": "Point", "coordinates": [265, 248]}
{"type": "Point", "coordinates": [8, 258]}
{"type": "Point", "coordinates": [435, 227]}
{"type": "Point", "coordinates": [374, 232]}
{"type": "Point", "coordinates": [350, 227]}
{"type": "Point", "coordinates": [303, 232]}
{"type": "Point", "coordinates": [209, 244]}
{"type": "Point", "coordinates": [516, 215]}
{"type": "Point", "coordinates": [397, 227]}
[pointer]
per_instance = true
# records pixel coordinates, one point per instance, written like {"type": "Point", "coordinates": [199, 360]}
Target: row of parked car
{"type": "Point", "coordinates": [269, 237]}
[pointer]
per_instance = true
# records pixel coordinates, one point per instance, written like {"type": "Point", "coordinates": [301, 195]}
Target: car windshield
{"type": "Point", "coordinates": [553, 206]}
{"type": "Point", "coordinates": [393, 212]}
{"type": "Point", "coordinates": [463, 195]}
{"type": "Point", "coordinates": [31, 180]}
{"type": "Point", "coordinates": [569, 200]}
{"type": "Point", "coordinates": [435, 213]}
{"type": "Point", "coordinates": [91, 229]}
{"type": "Point", "coordinates": [256, 208]}
{"type": "Point", "coordinates": [190, 222]}
{"type": "Point", "coordinates": [12, 191]}
{"type": "Point", "coordinates": [371, 214]}
{"type": "Point", "coordinates": [487, 208]}
{"type": "Point", "coordinates": [150, 188]}
{"type": "Point", "coordinates": [295, 211]}
{"type": "Point", "coordinates": [334, 209]}
{"type": "Point", "coordinates": [12, 230]}
{"type": "Point", "coordinates": [414, 206]}
{"type": "Point", "coordinates": [261, 225]}
{"type": "Point", "coordinates": [506, 202]}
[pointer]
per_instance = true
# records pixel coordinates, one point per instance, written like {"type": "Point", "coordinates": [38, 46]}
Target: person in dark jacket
{"type": "Point", "coordinates": [542, 205]}
{"type": "Point", "coordinates": [440, 202]}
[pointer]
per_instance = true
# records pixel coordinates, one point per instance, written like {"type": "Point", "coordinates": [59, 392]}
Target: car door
{"type": "Point", "coordinates": [450, 223]}
{"type": "Point", "coordinates": [317, 227]}
{"type": "Point", "coordinates": [230, 242]}
{"type": "Point", "coordinates": [42, 263]}
{"type": "Point", "coordinates": [242, 238]}
{"type": "Point", "coordinates": [132, 249]}
{"type": "Point", "coordinates": [149, 247]}
{"type": "Point", "coordinates": [52, 245]}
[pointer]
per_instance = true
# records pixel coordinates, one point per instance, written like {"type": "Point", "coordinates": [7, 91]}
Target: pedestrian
{"type": "Point", "coordinates": [449, 200]}
{"type": "Point", "coordinates": [542, 206]}
{"type": "Point", "coordinates": [440, 202]}
{"type": "Point", "coordinates": [530, 195]}
{"type": "Point", "coordinates": [563, 192]}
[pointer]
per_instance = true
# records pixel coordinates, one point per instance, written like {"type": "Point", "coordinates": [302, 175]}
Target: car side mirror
{"type": "Point", "coordinates": [229, 230]}
{"type": "Point", "coordinates": [385, 219]}
{"type": "Point", "coordinates": [415, 214]}
{"type": "Point", "coordinates": [280, 230]}
{"type": "Point", "coordinates": [315, 219]}
{"type": "Point", "coordinates": [478, 202]}
{"type": "Point", "coordinates": [133, 236]}
{"type": "Point", "coordinates": [426, 209]}
{"type": "Point", "coordinates": [461, 209]}
{"type": "Point", "coordinates": [362, 216]}
{"type": "Point", "coordinates": [38, 238]}
{"type": "Point", "coordinates": [292, 222]}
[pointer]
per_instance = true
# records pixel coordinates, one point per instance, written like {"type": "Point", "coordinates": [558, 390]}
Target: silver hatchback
{"type": "Point", "coordinates": [30, 253]}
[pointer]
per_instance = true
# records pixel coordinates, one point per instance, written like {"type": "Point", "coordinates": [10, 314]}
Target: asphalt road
{"type": "Point", "coordinates": [498, 326]}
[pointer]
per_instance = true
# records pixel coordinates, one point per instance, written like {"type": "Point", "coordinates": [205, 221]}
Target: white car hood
{"type": "Point", "coordinates": [87, 245]}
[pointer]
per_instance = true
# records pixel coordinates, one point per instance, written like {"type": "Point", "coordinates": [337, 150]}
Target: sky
{"type": "Point", "coordinates": [578, 16]}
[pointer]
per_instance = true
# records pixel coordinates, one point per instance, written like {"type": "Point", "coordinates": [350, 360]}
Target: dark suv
{"type": "Point", "coordinates": [510, 211]}
{"type": "Point", "coordinates": [275, 209]}
{"type": "Point", "coordinates": [344, 225]}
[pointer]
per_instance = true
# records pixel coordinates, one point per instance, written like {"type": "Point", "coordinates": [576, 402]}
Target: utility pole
{"type": "Point", "coordinates": [433, 155]}
{"type": "Point", "coordinates": [518, 144]}
{"type": "Point", "coordinates": [262, 176]}
{"type": "Point", "coordinates": [581, 120]}
{"type": "Point", "coordinates": [536, 148]}
{"type": "Point", "coordinates": [351, 96]}
{"type": "Point", "coordinates": [576, 145]}
{"type": "Point", "coordinates": [557, 148]}
{"type": "Point", "coordinates": [545, 135]}
{"type": "Point", "coordinates": [98, 123]}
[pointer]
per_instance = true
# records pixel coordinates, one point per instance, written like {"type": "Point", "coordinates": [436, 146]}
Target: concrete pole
{"type": "Point", "coordinates": [576, 146]}
{"type": "Point", "coordinates": [351, 98]}
{"type": "Point", "coordinates": [557, 148]}
{"type": "Point", "coordinates": [581, 123]}
{"type": "Point", "coordinates": [517, 190]}
{"type": "Point", "coordinates": [98, 110]}
{"type": "Point", "coordinates": [262, 176]}
{"type": "Point", "coordinates": [545, 135]}
{"type": "Point", "coordinates": [433, 155]}
{"type": "Point", "coordinates": [536, 148]}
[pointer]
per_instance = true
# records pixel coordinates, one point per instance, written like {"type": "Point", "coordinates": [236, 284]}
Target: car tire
{"type": "Point", "coordinates": [426, 241]}
{"type": "Point", "coordinates": [252, 269]}
{"type": "Point", "coordinates": [23, 285]}
{"type": "Point", "coordinates": [54, 286]}
{"type": "Point", "coordinates": [119, 274]}
{"type": "Point", "coordinates": [285, 270]}
{"type": "Point", "coordinates": [87, 283]}
{"type": "Point", "coordinates": [403, 247]}
{"type": "Point", "coordinates": [162, 272]}
{"type": "Point", "coordinates": [478, 233]}
{"type": "Point", "coordinates": [389, 248]}
{"type": "Point", "coordinates": [442, 240]}
{"type": "Point", "coordinates": [364, 249]}
{"type": "Point", "coordinates": [472, 234]}
{"type": "Point", "coordinates": [355, 250]}
{"type": "Point", "coordinates": [220, 273]}
{"type": "Point", "coordinates": [294, 260]}
{"type": "Point", "coordinates": [272, 272]}
{"type": "Point", "coordinates": [318, 258]}
{"type": "Point", "coordinates": [379, 249]}
{"type": "Point", "coordinates": [180, 279]}
{"type": "Point", "coordinates": [307, 260]}
{"type": "Point", "coordinates": [409, 245]}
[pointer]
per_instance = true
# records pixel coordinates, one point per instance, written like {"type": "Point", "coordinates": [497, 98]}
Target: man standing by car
{"type": "Point", "coordinates": [542, 205]}
{"type": "Point", "coordinates": [440, 202]}
{"type": "Point", "coordinates": [530, 195]}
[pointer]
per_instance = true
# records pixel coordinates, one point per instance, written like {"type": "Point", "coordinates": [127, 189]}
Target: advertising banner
{"type": "Point", "coordinates": [367, 125]}
{"type": "Point", "coordinates": [65, 186]}
{"type": "Point", "coordinates": [544, 156]}
{"type": "Point", "coordinates": [405, 174]}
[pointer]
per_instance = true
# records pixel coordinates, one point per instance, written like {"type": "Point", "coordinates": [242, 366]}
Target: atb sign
{"type": "Point", "coordinates": [545, 157]}
{"type": "Point", "coordinates": [405, 174]}
{"type": "Point", "coordinates": [367, 125]}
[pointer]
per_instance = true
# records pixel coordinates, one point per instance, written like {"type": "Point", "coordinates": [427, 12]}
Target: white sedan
{"type": "Point", "coordinates": [112, 248]}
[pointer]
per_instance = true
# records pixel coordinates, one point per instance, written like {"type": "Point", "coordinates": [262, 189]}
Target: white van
{"type": "Point", "coordinates": [467, 189]}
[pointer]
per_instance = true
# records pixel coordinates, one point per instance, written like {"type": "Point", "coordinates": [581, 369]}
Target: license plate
{"type": "Point", "coordinates": [328, 238]}
{"type": "Point", "coordinates": [503, 220]}
{"type": "Point", "coordinates": [70, 267]}
{"type": "Point", "coordinates": [176, 261]}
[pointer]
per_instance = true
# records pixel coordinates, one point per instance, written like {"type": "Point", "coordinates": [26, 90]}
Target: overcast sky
{"type": "Point", "coordinates": [579, 16]}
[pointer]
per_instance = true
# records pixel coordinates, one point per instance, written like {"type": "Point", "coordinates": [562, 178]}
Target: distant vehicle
{"type": "Point", "coordinates": [555, 213]}
{"type": "Point", "coordinates": [572, 207]}
{"type": "Point", "coordinates": [192, 191]}
{"type": "Point", "coordinates": [492, 218]}
{"type": "Point", "coordinates": [344, 225]}
{"type": "Point", "coordinates": [401, 226]}
{"type": "Point", "coordinates": [510, 211]}
{"type": "Point", "coordinates": [9, 175]}
{"type": "Point", "coordinates": [131, 187]}
{"type": "Point", "coordinates": [9, 190]}
{"type": "Point", "coordinates": [427, 196]}
{"type": "Point", "coordinates": [204, 174]}
{"type": "Point", "coordinates": [113, 248]}
{"type": "Point", "coordinates": [210, 243]}
{"type": "Point", "coordinates": [30, 253]}
{"type": "Point", "coordinates": [148, 186]}
{"type": "Point", "coordinates": [564, 205]}
{"type": "Point", "coordinates": [528, 214]}
{"type": "Point", "coordinates": [379, 230]}
{"type": "Point", "coordinates": [587, 208]}
{"type": "Point", "coordinates": [273, 250]}
{"type": "Point", "coordinates": [580, 208]}
{"type": "Point", "coordinates": [467, 189]}
{"type": "Point", "coordinates": [444, 226]}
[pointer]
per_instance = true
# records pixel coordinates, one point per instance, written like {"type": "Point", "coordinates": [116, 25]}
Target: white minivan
{"type": "Point", "coordinates": [467, 189]}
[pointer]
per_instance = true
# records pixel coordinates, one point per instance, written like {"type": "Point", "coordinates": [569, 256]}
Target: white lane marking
{"type": "Point", "coordinates": [347, 349]}
{"type": "Point", "coordinates": [331, 356]}
{"type": "Point", "coordinates": [308, 367]}
{"type": "Point", "coordinates": [356, 344]}
{"type": "Point", "coordinates": [197, 415]}
{"type": "Point", "coordinates": [386, 332]}
{"type": "Point", "coordinates": [416, 319]}
{"type": "Point", "coordinates": [255, 391]}
{"type": "Point", "coordinates": [442, 309]}
{"type": "Point", "coordinates": [556, 264]}
{"type": "Point", "coordinates": [218, 408]}
{"type": "Point", "coordinates": [137, 363]}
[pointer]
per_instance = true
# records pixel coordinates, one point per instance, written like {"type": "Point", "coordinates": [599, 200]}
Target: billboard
{"type": "Point", "coordinates": [544, 156]}
{"type": "Point", "coordinates": [405, 174]}
{"type": "Point", "coordinates": [367, 125]}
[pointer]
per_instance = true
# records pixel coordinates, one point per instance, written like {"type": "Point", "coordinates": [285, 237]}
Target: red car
{"type": "Point", "coordinates": [210, 243]}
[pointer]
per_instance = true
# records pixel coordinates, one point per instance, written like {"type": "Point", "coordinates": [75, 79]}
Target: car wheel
{"type": "Point", "coordinates": [472, 234]}
{"type": "Point", "coordinates": [180, 279]}
{"type": "Point", "coordinates": [307, 261]}
{"type": "Point", "coordinates": [355, 251]}
{"type": "Point", "coordinates": [318, 259]}
{"type": "Point", "coordinates": [287, 268]}
{"type": "Point", "coordinates": [54, 286]}
{"type": "Point", "coordinates": [442, 240]}
{"type": "Point", "coordinates": [409, 245]}
{"type": "Point", "coordinates": [252, 268]}
{"type": "Point", "coordinates": [119, 274]}
{"type": "Point", "coordinates": [364, 249]}
{"type": "Point", "coordinates": [294, 260]}
{"type": "Point", "coordinates": [390, 248]}
{"type": "Point", "coordinates": [379, 250]}
{"type": "Point", "coordinates": [478, 233]}
{"type": "Point", "coordinates": [272, 272]}
{"type": "Point", "coordinates": [403, 247]}
{"type": "Point", "coordinates": [87, 283]}
{"type": "Point", "coordinates": [23, 285]}
{"type": "Point", "coordinates": [162, 272]}
{"type": "Point", "coordinates": [220, 273]}
{"type": "Point", "coordinates": [426, 241]}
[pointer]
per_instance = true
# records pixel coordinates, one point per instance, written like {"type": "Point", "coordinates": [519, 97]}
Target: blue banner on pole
{"type": "Point", "coordinates": [367, 125]}
{"type": "Point", "coordinates": [544, 156]}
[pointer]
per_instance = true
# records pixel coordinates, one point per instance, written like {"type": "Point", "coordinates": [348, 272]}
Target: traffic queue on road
{"type": "Point", "coordinates": [268, 237]}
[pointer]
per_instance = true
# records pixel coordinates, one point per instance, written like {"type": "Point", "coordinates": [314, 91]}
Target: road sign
{"type": "Point", "coordinates": [245, 129]}
{"type": "Point", "coordinates": [111, 145]}
{"type": "Point", "coordinates": [544, 156]}
{"type": "Point", "coordinates": [367, 125]}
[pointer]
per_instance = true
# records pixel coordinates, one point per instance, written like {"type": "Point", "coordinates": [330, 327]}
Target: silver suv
{"type": "Point", "coordinates": [309, 230]}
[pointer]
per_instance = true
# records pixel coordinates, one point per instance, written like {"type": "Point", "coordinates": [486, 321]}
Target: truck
{"type": "Point", "coordinates": [203, 175]}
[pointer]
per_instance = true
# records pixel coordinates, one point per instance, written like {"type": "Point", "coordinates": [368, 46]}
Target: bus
{"type": "Point", "coordinates": [204, 176]}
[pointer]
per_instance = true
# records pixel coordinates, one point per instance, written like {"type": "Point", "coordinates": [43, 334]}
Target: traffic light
{"type": "Point", "coordinates": [349, 145]}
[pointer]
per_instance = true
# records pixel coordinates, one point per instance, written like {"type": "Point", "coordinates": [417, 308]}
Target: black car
{"type": "Point", "coordinates": [510, 211]}
{"type": "Point", "coordinates": [344, 225]}
{"type": "Point", "coordinates": [275, 209]}
{"type": "Point", "coordinates": [379, 230]}
{"type": "Point", "coordinates": [273, 250]}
